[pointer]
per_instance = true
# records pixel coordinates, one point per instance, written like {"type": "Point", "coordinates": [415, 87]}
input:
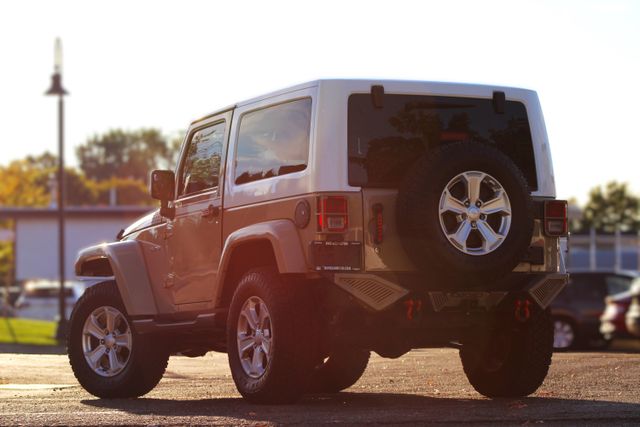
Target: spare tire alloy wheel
{"type": "Point", "coordinates": [475, 213]}
{"type": "Point", "coordinates": [254, 337]}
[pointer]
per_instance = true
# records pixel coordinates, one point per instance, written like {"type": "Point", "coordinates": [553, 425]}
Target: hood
{"type": "Point", "coordinates": [149, 220]}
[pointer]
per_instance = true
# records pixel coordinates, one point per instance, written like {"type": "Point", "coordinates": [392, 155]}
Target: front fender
{"type": "Point", "coordinates": [130, 272]}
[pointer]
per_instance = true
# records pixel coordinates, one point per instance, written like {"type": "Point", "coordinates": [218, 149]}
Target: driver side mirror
{"type": "Point", "coordinates": [162, 187]}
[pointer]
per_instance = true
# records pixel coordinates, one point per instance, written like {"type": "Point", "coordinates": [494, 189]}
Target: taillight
{"type": "Point", "coordinates": [332, 214]}
{"type": "Point", "coordinates": [555, 218]}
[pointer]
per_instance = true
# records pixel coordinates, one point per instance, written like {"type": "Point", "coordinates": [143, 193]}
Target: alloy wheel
{"type": "Point", "coordinates": [475, 213]}
{"type": "Point", "coordinates": [254, 337]}
{"type": "Point", "coordinates": [106, 341]}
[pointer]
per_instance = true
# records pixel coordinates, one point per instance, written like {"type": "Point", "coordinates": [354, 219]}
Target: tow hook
{"type": "Point", "coordinates": [522, 310]}
{"type": "Point", "coordinates": [414, 308]}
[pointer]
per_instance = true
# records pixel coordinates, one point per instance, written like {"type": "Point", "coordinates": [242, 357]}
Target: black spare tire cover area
{"type": "Point", "coordinates": [465, 215]}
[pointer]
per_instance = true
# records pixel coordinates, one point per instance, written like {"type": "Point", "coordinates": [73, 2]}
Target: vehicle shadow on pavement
{"type": "Point", "coordinates": [380, 408]}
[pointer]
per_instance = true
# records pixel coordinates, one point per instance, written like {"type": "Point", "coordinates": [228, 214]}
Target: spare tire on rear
{"type": "Point", "coordinates": [465, 215]}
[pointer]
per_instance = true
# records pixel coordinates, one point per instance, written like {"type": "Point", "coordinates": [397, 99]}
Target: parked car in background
{"type": "Point", "coordinates": [612, 321]}
{"type": "Point", "coordinates": [632, 318]}
{"type": "Point", "coordinates": [39, 299]}
{"type": "Point", "coordinates": [576, 311]}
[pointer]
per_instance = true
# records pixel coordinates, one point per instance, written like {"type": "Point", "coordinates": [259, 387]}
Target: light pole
{"type": "Point", "coordinates": [56, 89]}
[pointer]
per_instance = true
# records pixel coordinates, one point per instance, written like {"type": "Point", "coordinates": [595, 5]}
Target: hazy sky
{"type": "Point", "coordinates": [131, 64]}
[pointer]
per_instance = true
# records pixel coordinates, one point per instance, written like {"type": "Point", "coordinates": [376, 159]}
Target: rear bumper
{"type": "Point", "coordinates": [379, 292]}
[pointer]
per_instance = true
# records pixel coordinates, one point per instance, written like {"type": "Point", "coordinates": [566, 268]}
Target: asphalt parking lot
{"type": "Point", "coordinates": [422, 387]}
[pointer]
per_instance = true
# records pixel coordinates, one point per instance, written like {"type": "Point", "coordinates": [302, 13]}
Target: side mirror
{"type": "Point", "coordinates": [162, 187]}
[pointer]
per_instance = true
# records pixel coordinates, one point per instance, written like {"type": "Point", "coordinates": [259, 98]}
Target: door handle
{"type": "Point", "coordinates": [210, 212]}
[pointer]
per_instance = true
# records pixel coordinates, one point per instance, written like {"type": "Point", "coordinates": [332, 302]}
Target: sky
{"type": "Point", "coordinates": [133, 64]}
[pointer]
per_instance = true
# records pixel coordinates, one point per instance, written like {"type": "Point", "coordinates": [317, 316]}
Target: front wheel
{"type": "Point", "coordinates": [106, 355]}
{"type": "Point", "coordinates": [512, 361]}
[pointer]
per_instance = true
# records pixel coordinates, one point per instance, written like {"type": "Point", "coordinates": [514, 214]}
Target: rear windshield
{"type": "Point", "coordinates": [384, 142]}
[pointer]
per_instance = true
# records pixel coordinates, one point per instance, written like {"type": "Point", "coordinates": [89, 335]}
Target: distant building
{"type": "Point", "coordinates": [35, 235]}
{"type": "Point", "coordinates": [604, 251]}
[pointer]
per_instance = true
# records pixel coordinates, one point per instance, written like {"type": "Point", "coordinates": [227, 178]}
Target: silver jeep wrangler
{"type": "Point", "coordinates": [305, 228]}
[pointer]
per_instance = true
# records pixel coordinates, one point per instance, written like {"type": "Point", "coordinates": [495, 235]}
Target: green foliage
{"type": "Point", "coordinates": [22, 185]}
{"type": "Point", "coordinates": [128, 192]}
{"type": "Point", "coordinates": [123, 154]}
{"type": "Point", "coordinates": [6, 259]}
{"type": "Point", "coordinates": [614, 205]}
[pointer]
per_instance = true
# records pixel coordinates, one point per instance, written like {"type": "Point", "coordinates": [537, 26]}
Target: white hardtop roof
{"type": "Point", "coordinates": [364, 82]}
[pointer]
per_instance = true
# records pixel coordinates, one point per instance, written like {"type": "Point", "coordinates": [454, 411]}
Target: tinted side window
{"type": "Point", "coordinates": [617, 284]}
{"type": "Point", "coordinates": [273, 141]}
{"type": "Point", "coordinates": [384, 142]}
{"type": "Point", "coordinates": [201, 167]}
{"type": "Point", "coordinates": [588, 287]}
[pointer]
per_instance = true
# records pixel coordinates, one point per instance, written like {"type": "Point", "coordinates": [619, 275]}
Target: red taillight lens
{"type": "Point", "coordinates": [332, 214]}
{"type": "Point", "coordinates": [555, 218]}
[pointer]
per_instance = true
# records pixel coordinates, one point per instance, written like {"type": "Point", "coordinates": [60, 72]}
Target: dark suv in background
{"type": "Point", "coordinates": [576, 311]}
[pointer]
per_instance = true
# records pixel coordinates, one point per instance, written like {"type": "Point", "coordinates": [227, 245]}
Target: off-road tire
{"type": "Point", "coordinates": [418, 221]}
{"type": "Point", "coordinates": [342, 369]}
{"type": "Point", "coordinates": [293, 342]}
{"type": "Point", "coordinates": [525, 361]}
{"type": "Point", "coordinates": [147, 361]}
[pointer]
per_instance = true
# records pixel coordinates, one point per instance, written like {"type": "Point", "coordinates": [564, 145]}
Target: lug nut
{"type": "Point", "coordinates": [473, 224]}
{"type": "Point", "coordinates": [478, 203]}
{"type": "Point", "coordinates": [483, 217]}
{"type": "Point", "coordinates": [467, 203]}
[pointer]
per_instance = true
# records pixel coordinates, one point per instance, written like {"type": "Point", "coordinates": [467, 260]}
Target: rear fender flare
{"type": "Point", "coordinates": [284, 239]}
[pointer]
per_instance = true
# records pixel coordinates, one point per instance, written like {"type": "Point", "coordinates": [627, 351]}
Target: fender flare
{"type": "Point", "coordinates": [283, 236]}
{"type": "Point", "coordinates": [129, 271]}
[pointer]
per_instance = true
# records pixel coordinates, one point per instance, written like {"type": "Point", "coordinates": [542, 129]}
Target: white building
{"type": "Point", "coordinates": [35, 235]}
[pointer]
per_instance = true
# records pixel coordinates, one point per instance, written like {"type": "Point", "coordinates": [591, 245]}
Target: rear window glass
{"type": "Point", "coordinates": [384, 142]}
{"type": "Point", "coordinates": [273, 141]}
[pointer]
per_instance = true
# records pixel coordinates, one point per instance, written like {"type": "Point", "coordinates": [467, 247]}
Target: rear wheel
{"type": "Point", "coordinates": [512, 361]}
{"type": "Point", "coordinates": [107, 356]}
{"type": "Point", "coordinates": [271, 344]}
{"type": "Point", "coordinates": [342, 369]}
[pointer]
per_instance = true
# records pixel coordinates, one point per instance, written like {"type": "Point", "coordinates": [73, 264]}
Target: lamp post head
{"type": "Point", "coordinates": [56, 79]}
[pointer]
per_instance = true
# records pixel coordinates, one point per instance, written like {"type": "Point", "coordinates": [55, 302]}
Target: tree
{"type": "Point", "coordinates": [610, 207]}
{"type": "Point", "coordinates": [123, 154]}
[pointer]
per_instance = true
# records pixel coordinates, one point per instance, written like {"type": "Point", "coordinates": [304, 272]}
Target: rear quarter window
{"type": "Point", "coordinates": [384, 142]}
{"type": "Point", "coordinates": [273, 141]}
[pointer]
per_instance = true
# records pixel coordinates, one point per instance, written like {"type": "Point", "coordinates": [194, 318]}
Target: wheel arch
{"type": "Point", "coordinates": [273, 243]}
{"type": "Point", "coordinates": [124, 263]}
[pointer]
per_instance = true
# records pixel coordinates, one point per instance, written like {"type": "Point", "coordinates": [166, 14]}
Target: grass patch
{"type": "Point", "coordinates": [27, 331]}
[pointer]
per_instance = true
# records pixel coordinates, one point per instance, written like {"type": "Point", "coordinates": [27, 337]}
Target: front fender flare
{"type": "Point", "coordinates": [130, 272]}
